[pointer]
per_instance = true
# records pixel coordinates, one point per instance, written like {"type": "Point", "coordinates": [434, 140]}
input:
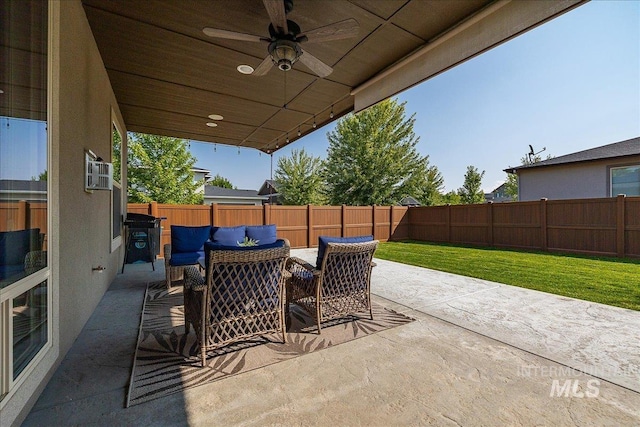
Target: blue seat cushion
{"type": "Point", "coordinates": [185, 258]}
{"type": "Point", "coordinates": [324, 240]}
{"type": "Point", "coordinates": [264, 234]}
{"type": "Point", "coordinates": [188, 239]}
{"type": "Point", "coordinates": [229, 236]}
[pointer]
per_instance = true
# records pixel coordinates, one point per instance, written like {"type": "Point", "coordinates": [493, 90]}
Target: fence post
{"type": "Point", "coordinates": [214, 207]}
{"type": "Point", "coordinates": [309, 226]}
{"type": "Point", "coordinates": [620, 201]}
{"type": "Point", "coordinates": [266, 214]}
{"type": "Point", "coordinates": [390, 222]}
{"type": "Point", "coordinates": [490, 221]}
{"type": "Point", "coordinates": [153, 208]}
{"type": "Point", "coordinates": [543, 223]}
{"type": "Point", "coordinates": [22, 220]}
{"type": "Point", "coordinates": [344, 222]}
{"type": "Point", "coordinates": [373, 221]}
{"type": "Point", "coordinates": [448, 223]}
{"type": "Point", "coordinates": [211, 216]}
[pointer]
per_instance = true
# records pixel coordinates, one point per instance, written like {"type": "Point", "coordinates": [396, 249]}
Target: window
{"type": "Point", "coordinates": [625, 180]}
{"type": "Point", "coordinates": [25, 296]}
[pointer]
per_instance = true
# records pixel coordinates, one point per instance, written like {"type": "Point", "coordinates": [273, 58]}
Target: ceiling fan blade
{"type": "Point", "coordinates": [337, 31]}
{"type": "Point", "coordinates": [231, 35]}
{"type": "Point", "coordinates": [264, 67]}
{"type": "Point", "coordinates": [315, 65]}
{"type": "Point", "coordinates": [277, 15]}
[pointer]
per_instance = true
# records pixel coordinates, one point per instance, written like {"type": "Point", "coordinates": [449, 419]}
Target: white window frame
{"type": "Point", "coordinates": [611, 169]}
{"type": "Point", "coordinates": [116, 242]}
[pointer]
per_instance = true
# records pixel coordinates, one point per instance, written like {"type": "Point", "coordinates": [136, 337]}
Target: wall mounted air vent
{"type": "Point", "coordinates": [98, 174]}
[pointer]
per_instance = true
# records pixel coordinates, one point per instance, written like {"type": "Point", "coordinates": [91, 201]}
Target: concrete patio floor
{"type": "Point", "coordinates": [479, 353]}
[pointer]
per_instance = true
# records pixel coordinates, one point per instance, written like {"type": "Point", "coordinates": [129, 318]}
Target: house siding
{"type": "Point", "coordinates": [570, 181]}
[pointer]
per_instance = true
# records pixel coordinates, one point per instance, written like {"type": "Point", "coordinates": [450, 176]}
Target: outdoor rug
{"type": "Point", "coordinates": [167, 361]}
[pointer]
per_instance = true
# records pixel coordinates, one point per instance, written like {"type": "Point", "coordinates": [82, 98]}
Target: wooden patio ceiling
{"type": "Point", "coordinates": [168, 76]}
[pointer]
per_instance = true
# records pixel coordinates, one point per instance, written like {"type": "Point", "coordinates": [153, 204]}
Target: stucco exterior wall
{"type": "Point", "coordinates": [81, 101]}
{"type": "Point", "coordinates": [574, 181]}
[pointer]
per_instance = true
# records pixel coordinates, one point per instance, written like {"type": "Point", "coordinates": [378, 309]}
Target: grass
{"type": "Point", "coordinates": [611, 281]}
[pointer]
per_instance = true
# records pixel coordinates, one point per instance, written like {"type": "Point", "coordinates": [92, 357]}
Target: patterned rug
{"type": "Point", "coordinates": [167, 361]}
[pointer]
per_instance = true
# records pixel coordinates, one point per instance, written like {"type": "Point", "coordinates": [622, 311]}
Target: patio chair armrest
{"type": "Point", "coordinates": [294, 262]}
{"type": "Point", "coordinates": [193, 280]}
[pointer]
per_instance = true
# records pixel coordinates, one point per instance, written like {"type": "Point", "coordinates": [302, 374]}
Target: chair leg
{"type": "Point", "coordinates": [371, 311]}
{"type": "Point", "coordinates": [318, 320]}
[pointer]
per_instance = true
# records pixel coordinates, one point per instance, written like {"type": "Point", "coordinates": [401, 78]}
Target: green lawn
{"type": "Point", "coordinates": [609, 281]}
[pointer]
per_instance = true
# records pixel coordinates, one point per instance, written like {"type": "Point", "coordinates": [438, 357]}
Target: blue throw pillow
{"type": "Point", "coordinates": [187, 238]}
{"type": "Point", "coordinates": [14, 245]}
{"type": "Point", "coordinates": [323, 240]}
{"type": "Point", "coordinates": [264, 234]}
{"type": "Point", "coordinates": [229, 236]}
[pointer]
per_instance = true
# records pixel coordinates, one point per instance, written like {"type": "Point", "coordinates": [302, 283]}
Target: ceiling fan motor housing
{"type": "Point", "coordinates": [284, 53]}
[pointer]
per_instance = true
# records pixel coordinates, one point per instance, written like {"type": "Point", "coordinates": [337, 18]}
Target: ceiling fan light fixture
{"type": "Point", "coordinates": [212, 125]}
{"type": "Point", "coordinates": [284, 53]}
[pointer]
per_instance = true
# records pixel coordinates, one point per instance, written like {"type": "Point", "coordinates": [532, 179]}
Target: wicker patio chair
{"type": "Point", "coordinates": [242, 296]}
{"type": "Point", "coordinates": [341, 287]}
{"type": "Point", "coordinates": [173, 273]}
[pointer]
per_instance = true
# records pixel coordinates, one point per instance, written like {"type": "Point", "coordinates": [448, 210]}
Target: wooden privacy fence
{"type": "Point", "coordinates": [609, 226]}
{"type": "Point", "coordinates": [300, 224]}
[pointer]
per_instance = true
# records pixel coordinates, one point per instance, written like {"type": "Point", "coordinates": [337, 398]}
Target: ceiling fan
{"type": "Point", "coordinates": [285, 37]}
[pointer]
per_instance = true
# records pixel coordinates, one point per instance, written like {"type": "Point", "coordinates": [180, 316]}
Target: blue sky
{"type": "Point", "coordinates": [568, 85]}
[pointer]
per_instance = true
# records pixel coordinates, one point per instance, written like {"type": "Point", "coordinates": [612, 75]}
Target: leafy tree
{"type": "Point", "coordinates": [220, 181]}
{"type": "Point", "coordinates": [160, 169]}
{"type": "Point", "coordinates": [471, 190]}
{"type": "Point", "coordinates": [433, 190]}
{"type": "Point", "coordinates": [451, 198]}
{"type": "Point", "coordinates": [117, 154]}
{"type": "Point", "coordinates": [511, 186]}
{"type": "Point", "coordinates": [299, 179]}
{"type": "Point", "coordinates": [41, 177]}
{"type": "Point", "coordinates": [372, 159]}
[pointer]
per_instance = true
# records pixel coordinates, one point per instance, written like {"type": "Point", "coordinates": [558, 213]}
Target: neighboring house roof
{"type": "Point", "coordinates": [15, 185]}
{"type": "Point", "coordinates": [409, 201]}
{"type": "Point", "coordinates": [205, 172]}
{"type": "Point", "coordinates": [498, 194]}
{"type": "Point", "coordinates": [220, 192]}
{"type": "Point", "coordinates": [630, 147]}
{"type": "Point", "coordinates": [269, 187]}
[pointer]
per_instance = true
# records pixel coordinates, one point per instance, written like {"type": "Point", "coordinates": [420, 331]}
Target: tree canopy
{"type": "Point", "coordinates": [471, 190]}
{"type": "Point", "coordinates": [159, 169]}
{"type": "Point", "coordinates": [299, 179]}
{"type": "Point", "coordinates": [220, 181]}
{"type": "Point", "coordinates": [372, 159]}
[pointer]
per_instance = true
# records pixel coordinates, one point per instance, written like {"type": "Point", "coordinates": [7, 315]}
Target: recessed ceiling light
{"type": "Point", "coordinates": [212, 125]}
{"type": "Point", "coordinates": [215, 117]}
{"type": "Point", "coordinates": [245, 69]}
{"type": "Point", "coordinates": [1, 91]}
